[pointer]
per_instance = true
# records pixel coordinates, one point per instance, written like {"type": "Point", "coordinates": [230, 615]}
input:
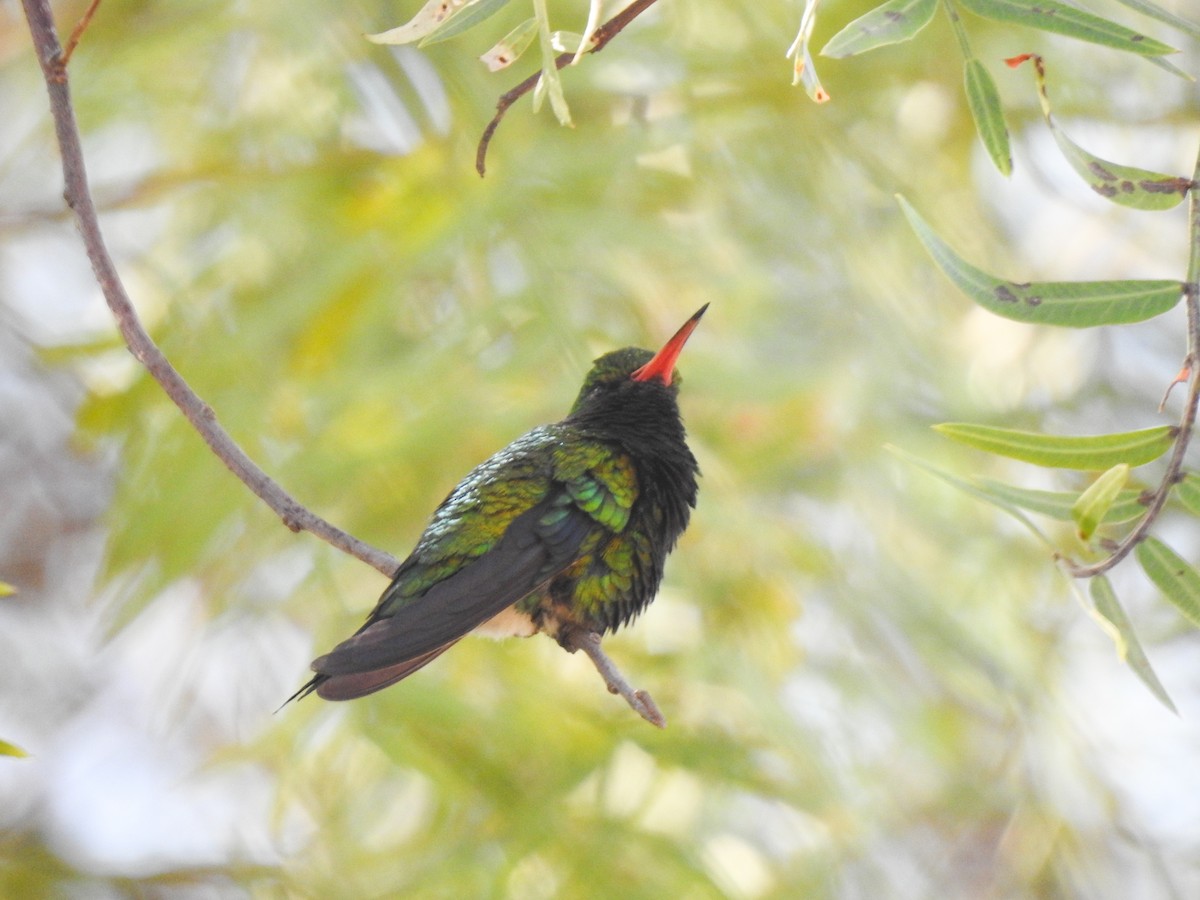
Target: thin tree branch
{"type": "Point", "coordinates": [198, 413]}
{"type": "Point", "coordinates": [1187, 422]}
{"type": "Point", "coordinates": [77, 33]}
{"type": "Point", "coordinates": [641, 702]}
{"type": "Point", "coordinates": [599, 38]}
{"type": "Point", "coordinates": [298, 518]}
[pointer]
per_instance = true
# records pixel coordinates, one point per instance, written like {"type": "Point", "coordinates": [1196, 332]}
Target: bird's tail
{"type": "Point", "coordinates": [358, 684]}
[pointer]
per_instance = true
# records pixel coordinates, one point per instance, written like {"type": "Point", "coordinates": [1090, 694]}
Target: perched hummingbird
{"type": "Point", "coordinates": [566, 528]}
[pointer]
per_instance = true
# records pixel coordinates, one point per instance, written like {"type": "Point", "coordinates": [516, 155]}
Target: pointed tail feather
{"type": "Point", "coordinates": [359, 684]}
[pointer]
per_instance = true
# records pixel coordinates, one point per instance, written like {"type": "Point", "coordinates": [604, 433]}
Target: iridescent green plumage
{"type": "Point", "coordinates": [566, 528]}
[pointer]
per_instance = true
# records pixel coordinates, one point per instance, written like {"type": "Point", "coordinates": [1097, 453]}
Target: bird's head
{"type": "Point", "coordinates": [623, 370]}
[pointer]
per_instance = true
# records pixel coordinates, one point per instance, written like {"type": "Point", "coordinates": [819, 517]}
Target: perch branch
{"type": "Point", "coordinates": [198, 413]}
{"type": "Point", "coordinates": [78, 196]}
{"type": "Point", "coordinates": [641, 702]}
{"type": "Point", "coordinates": [1187, 422]}
{"type": "Point", "coordinates": [599, 38]}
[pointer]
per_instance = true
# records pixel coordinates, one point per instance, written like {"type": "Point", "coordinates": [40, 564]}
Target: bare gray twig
{"type": "Point", "coordinates": [642, 703]}
{"type": "Point", "coordinates": [297, 517]}
{"type": "Point", "coordinates": [198, 413]}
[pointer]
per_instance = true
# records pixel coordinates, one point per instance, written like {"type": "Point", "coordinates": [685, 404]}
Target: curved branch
{"type": "Point", "coordinates": [198, 413]}
{"type": "Point", "coordinates": [599, 39]}
{"type": "Point", "coordinates": [1187, 422]}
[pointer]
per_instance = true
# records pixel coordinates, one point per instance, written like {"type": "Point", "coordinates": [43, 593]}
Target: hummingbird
{"type": "Point", "coordinates": [565, 529]}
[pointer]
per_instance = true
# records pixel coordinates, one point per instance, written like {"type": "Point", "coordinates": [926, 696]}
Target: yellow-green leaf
{"type": "Point", "coordinates": [1076, 304]}
{"type": "Point", "coordinates": [463, 19]}
{"type": "Point", "coordinates": [973, 489]}
{"type": "Point", "coordinates": [1188, 492]}
{"type": "Point", "coordinates": [1154, 11]}
{"type": "Point", "coordinates": [1178, 581]}
{"type": "Point", "coordinates": [984, 102]}
{"type": "Point", "coordinates": [1050, 15]}
{"type": "Point", "coordinates": [1094, 503]}
{"type": "Point", "coordinates": [1125, 185]}
{"type": "Point", "coordinates": [1087, 452]}
{"type": "Point", "coordinates": [6, 589]}
{"type": "Point", "coordinates": [803, 70]}
{"type": "Point", "coordinates": [427, 20]}
{"type": "Point", "coordinates": [1059, 504]}
{"type": "Point", "coordinates": [510, 47]}
{"type": "Point", "coordinates": [7, 749]}
{"type": "Point", "coordinates": [550, 84]}
{"type": "Point", "coordinates": [891, 23]}
{"type": "Point", "coordinates": [1129, 648]}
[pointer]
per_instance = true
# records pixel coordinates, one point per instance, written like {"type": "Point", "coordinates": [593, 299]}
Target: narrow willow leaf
{"type": "Point", "coordinates": [1085, 452]}
{"type": "Point", "coordinates": [1058, 504]}
{"type": "Point", "coordinates": [1166, 65]}
{"type": "Point", "coordinates": [425, 22]}
{"type": "Point", "coordinates": [7, 749]}
{"type": "Point", "coordinates": [1154, 11]}
{"type": "Point", "coordinates": [1094, 503]}
{"type": "Point", "coordinates": [1178, 581]}
{"type": "Point", "coordinates": [803, 70]}
{"type": "Point", "coordinates": [550, 84]}
{"type": "Point", "coordinates": [971, 490]}
{"type": "Point", "coordinates": [891, 23]}
{"type": "Point", "coordinates": [1077, 304]}
{"type": "Point", "coordinates": [510, 47]}
{"type": "Point", "coordinates": [1129, 648]}
{"type": "Point", "coordinates": [984, 101]}
{"type": "Point", "coordinates": [595, 10]}
{"type": "Point", "coordinates": [462, 19]}
{"type": "Point", "coordinates": [1125, 185]}
{"type": "Point", "coordinates": [1050, 15]}
{"type": "Point", "coordinates": [1188, 492]}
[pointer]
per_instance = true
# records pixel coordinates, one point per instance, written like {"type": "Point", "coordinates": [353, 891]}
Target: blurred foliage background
{"type": "Point", "coordinates": [876, 687]}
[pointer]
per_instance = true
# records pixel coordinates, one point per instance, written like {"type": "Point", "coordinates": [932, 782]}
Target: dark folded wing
{"type": "Point", "coordinates": [537, 545]}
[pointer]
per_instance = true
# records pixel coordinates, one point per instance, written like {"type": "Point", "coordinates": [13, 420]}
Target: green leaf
{"type": "Point", "coordinates": [1088, 452]}
{"type": "Point", "coordinates": [803, 70]}
{"type": "Point", "coordinates": [971, 489]}
{"type": "Point", "coordinates": [7, 749]}
{"type": "Point", "coordinates": [1076, 304]}
{"type": "Point", "coordinates": [6, 589]}
{"type": "Point", "coordinates": [550, 84]}
{"type": "Point", "coordinates": [428, 19]}
{"type": "Point", "coordinates": [1168, 66]}
{"type": "Point", "coordinates": [1178, 581]}
{"type": "Point", "coordinates": [1188, 492]}
{"type": "Point", "coordinates": [1124, 185]}
{"type": "Point", "coordinates": [1154, 11]}
{"type": "Point", "coordinates": [463, 19]}
{"type": "Point", "coordinates": [891, 23]}
{"type": "Point", "coordinates": [1058, 504]}
{"type": "Point", "coordinates": [984, 101]}
{"type": "Point", "coordinates": [1050, 15]}
{"type": "Point", "coordinates": [510, 47]}
{"type": "Point", "coordinates": [1094, 503]}
{"type": "Point", "coordinates": [1129, 648]}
